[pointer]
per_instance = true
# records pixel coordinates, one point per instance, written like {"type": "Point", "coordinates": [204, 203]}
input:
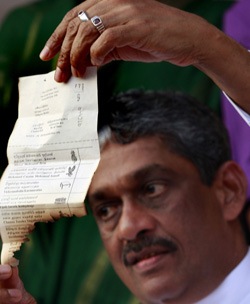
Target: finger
{"type": "Point", "coordinates": [5, 272]}
{"type": "Point", "coordinates": [123, 31]}
{"type": "Point", "coordinates": [12, 279]}
{"type": "Point", "coordinates": [86, 36]}
{"type": "Point", "coordinates": [54, 43]}
{"type": "Point", "coordinates": [115, 43]}
{"type": "Point", "coordinates": [63, 71]}
{"type": "Point", "coordinates": [8, 296]}
{"type": "Point", "coordinates": [80, 51]}
{"type": "Point", "coordinates": [74, 54]}
{"type": "Point", "coordinates": [9, 292]}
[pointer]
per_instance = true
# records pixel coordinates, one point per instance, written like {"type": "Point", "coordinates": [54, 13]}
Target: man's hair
{"type": "Point", "coordinates": [187, 127]}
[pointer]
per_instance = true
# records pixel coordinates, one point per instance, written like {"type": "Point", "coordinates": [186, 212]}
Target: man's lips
{"type": "Point", "coordinates": [133, 258]}
{"type": "Point", "coordinates": [145, 248]}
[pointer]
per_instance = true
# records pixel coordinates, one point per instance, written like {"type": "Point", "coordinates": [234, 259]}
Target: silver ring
{"type": "Point", "coordinates": [97, 22]}
{"type": "Point", "coordinates": [83, 16]}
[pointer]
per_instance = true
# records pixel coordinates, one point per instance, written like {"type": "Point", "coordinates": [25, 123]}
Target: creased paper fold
{"type": "Point", "coordinates": [53, 153]}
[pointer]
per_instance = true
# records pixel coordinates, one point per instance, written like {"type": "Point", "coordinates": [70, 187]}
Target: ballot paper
{"type": "Point", "coordinates": [53, 152]}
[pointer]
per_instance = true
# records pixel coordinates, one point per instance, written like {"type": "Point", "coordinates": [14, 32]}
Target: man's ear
{"type": "Point", "coordinates": [231, 188]}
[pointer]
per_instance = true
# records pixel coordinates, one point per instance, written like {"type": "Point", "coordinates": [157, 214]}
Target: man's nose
{"type": "Point", "coordinates": [134, 220]}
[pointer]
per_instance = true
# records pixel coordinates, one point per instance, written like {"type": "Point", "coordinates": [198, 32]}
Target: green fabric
{"type": "Point", "coordinates": [64, 262]}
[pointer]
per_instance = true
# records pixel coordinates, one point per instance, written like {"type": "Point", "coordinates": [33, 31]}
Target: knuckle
{"type": "Point", "coordinates": [115, 55]}
{"type": "Point", "coordinates": [74, 59]}
{"type": "Point", "coordinates": [88, 33]}
{"type": "Point", "coordinates": [72, 27]}
{"type": "Point", "coordinates": [75, 55]}
{"type": "Point", "coordinates": [79, 55]}
{"type": "Point", "coordinates": [109, 37]}
{"type": "Point", "coordinates": [70, 15]}
{"type": "Point", "coordinates": [63, 58]}
{"type": "Point", "coordinates": [55, 39]}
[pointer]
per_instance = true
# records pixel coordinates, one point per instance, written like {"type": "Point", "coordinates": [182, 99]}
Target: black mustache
{"type": "Point", "coordinates": [145, 242]}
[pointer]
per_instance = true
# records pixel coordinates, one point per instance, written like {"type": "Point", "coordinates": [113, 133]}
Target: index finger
{"type": "Point", "coordinates": [54, 43]}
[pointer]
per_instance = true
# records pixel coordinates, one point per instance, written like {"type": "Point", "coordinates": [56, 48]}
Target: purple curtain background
{"type": "Point", "coordinates": [236, 24]}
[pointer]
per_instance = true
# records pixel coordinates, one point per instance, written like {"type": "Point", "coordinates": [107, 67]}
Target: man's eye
{"type": "Point", "coordinates": [154, 190]}
{"type": "Point", "coordinates": [106, 212]}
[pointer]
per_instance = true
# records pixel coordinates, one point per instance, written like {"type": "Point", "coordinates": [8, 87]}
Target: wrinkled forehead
{"type": "Point", "coordinates": [122, 162]}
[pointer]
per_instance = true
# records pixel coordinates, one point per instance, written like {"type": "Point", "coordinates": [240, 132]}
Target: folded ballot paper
{"type": "Point", "coordinates": [53, 152]}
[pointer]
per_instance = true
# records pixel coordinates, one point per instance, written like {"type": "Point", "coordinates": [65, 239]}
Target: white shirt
{"type": "Point", "coordinates": [241, 112]}
{"type": "Point", "coordinates": [235, 289]}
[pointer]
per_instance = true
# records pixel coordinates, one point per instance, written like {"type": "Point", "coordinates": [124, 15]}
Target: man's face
{"type": "Point", "coordinates": [162, 227]}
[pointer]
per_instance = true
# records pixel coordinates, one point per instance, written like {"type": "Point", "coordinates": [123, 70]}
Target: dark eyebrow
{"type": "Point", "coordinates": [140, 174]}
{"type": "Point", "coordinates": [153, 168]}
{"type": "Point", "coordinates": [99, 195]}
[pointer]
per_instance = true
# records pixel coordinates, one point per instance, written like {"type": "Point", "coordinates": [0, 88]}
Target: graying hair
{"type": "Point", "coordinates": [187, 127]}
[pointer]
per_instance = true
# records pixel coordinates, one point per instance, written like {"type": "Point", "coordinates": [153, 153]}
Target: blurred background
{"type": "Point", "coordinates": [7, 6]}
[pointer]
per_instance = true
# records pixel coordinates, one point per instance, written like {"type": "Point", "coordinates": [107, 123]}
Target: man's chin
{"type": "Point", "coordinates": [151, 285]}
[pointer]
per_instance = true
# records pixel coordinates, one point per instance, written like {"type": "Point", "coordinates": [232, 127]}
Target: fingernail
{"type": "Point", "coordinates": [45, 53]}
{"type": "Point", "coordinates": [97, 61]}
{"type": "Point", "coordinates": [14, 293]}
{"type": "Point", "coordinates": [59, 76]}
{"type": "Point", "coordinates": [5, 269]}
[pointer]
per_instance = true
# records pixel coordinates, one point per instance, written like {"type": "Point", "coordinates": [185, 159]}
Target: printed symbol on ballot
{"type": "Point", "coordinates": [78, 97]}
{"type": "Point", "coordinates": [79, 87]}
{"type": "Point", "coordinates": [80, 117]}
{"type": "Point", "coordinates": [73, 156]}
{"type": "Point", "coordinates": [71, 170]}
{"type": "Point", "coordinates": [65, 185]}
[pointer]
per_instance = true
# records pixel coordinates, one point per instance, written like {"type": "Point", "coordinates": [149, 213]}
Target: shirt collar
{"type": "Point", "coordinates": [235, 287]}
